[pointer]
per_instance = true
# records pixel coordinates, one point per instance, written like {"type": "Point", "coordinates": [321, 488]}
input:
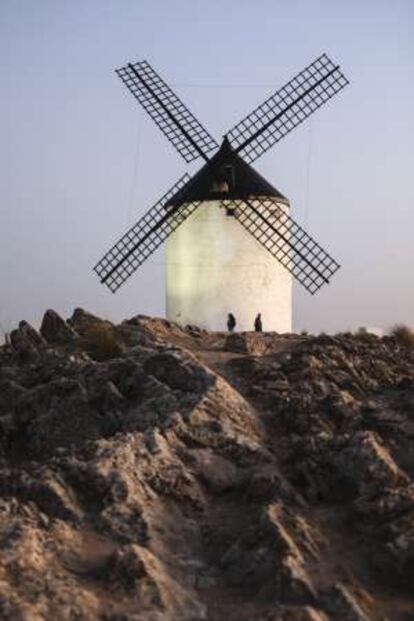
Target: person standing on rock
{"type": "Point", "coordinates": [231, 322]}
{"type": "Point", "coordinates": [258, 326]}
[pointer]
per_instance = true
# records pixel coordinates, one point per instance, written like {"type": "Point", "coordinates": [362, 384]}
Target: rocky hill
{"type": "Point", "coordinates": [149, 472]}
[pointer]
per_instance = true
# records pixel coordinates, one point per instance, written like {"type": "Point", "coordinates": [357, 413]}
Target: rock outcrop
{"type": "Point", "coordinates": [185, 475]}
{"type": "Point", "coordinates": [56, 330]}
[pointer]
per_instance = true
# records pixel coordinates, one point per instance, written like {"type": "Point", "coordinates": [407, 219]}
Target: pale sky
{"type": "Point", "coordinates": [80, 161]}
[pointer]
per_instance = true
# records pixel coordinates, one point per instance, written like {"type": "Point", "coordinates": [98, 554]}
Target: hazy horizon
{"type": "Point", "coordinates": [80, 161]}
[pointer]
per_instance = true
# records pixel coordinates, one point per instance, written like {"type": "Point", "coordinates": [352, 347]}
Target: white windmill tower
{"type": "Point", "coordinates": [213, 265]}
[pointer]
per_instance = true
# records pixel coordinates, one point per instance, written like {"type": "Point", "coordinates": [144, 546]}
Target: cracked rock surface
{"type": "Point", "coordinates": [192, 476]}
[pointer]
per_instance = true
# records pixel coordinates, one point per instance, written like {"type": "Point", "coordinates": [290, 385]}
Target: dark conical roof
{"type": "Point", "coordinates": [226, 176]}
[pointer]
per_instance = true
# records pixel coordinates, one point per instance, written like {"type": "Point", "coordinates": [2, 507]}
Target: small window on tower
{"type": "Point", "coordinates": [224, 180]}
{"type": "Point", "coordinates": [228, 175]}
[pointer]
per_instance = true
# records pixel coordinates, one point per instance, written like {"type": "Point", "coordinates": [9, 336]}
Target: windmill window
{"type": "Point", "coordinates": [228, 174]}
{"type": "Point", "coordinates": [224, 180]}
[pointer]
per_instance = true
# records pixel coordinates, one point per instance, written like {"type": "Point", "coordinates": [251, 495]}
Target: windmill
{"type": "Point", "coordinates": [225, 225]}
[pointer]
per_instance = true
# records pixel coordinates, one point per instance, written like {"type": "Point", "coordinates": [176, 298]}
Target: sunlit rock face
{"type": "Point", "coordinates": [215, 267]}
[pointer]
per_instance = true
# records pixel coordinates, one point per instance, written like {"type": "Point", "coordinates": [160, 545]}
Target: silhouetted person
{"type": "Point", "coordinates": [258, 326]}
{"type": "Point", "coordinates": [231, 322]}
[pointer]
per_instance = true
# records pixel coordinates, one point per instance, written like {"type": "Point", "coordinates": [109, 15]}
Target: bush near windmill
{"type": "Point", "coordinates": [101, 343]}
{"type": "Point", "coordinates": [403, 334]}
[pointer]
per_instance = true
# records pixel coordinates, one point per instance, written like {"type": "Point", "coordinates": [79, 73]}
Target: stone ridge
{"type": "Point", "coordinates": [150, 472]}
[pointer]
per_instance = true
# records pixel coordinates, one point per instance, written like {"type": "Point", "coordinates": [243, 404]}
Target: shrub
{"type": "Point", "coordinates": [403, 335]}
{"type": "Point", "coordinates": [101, 343]}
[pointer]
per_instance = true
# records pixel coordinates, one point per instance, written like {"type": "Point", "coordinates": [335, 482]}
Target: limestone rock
{"type": "Point", "coordinates": [177, 372]}
{"type": "Point", "coordinates": [139, 571]}
{"type": "Point", "coordinates": [297, 613]}
{"type": "Point", "coordinates": [368, 464]}
{"type": "Point", "coordinates": [26, 341]}
{"type": "Point", "coordinates": [55, 330]}
{"type": "Point", "coordinates": [81, 321]}
{"type": "Point", "coordinates": [246, 343]}
{"type": "Point", "coordinates": [10, 394]}
{"type": "Point", "coordinates": [199, 476]}
{"type": "Point", "coordinates": [341, 604]}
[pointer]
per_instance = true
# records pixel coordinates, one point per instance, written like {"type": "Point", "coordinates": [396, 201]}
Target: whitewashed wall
{"type": "Point", "coordinates": [214, 266]}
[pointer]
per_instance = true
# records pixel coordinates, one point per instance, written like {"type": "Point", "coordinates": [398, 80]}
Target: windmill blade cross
{"type": "Point", "coordinates": [286, 240]}
{"type": "Point", "coordinates": [287, 108]}
{"type": "Point", "coordinates": [142, 239]}
{"type": "Point", "coordinates": [169, 113]}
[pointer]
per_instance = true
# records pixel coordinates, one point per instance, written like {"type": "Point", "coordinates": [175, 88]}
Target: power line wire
{"type": "Point", "coordinates": [187, 85]}
{"type": "Point", "coordinates": [137, 157]}
{"type": "Point", "coordinates": [308, 172]}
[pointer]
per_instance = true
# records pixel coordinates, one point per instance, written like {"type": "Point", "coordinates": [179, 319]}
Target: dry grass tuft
{"type": "Point", "coordinates": [403, 335]}
{"type": "Point", "coordinates": [101, 343]}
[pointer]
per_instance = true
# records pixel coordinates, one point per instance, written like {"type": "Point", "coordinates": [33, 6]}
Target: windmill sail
{"type": "Point", "coordinates": [288, 242]}
{"type": "Point", "coordinates": [173, 118]}
{"type": "Point", "coordinates": [117, 265]}
{"type": "Point", "coordinates": [227, 174]}
{"type": "Point", "coordinates": [287, 108]}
